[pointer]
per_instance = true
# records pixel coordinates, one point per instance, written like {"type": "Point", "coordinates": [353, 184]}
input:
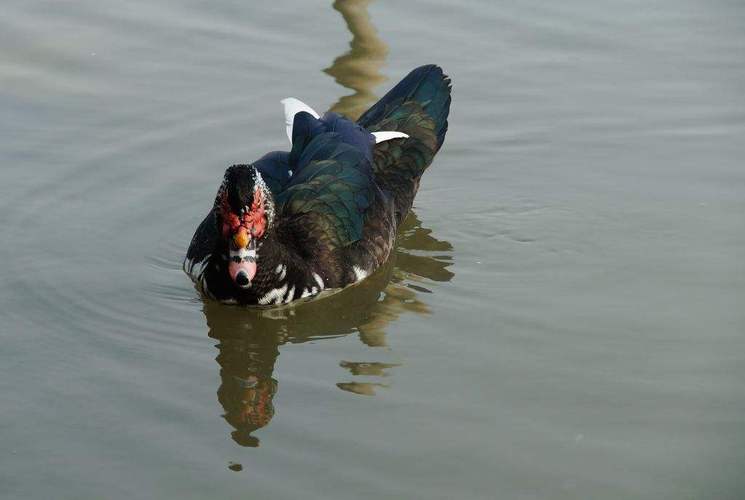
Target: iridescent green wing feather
{"type": "Point", "coordinates": [328, 196]}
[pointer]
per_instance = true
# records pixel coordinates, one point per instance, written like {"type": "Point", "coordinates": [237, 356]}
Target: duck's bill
{"type": "Point", "coordinates": [242, 267]}
{"type": "Point", "coordinates": [242, 273]}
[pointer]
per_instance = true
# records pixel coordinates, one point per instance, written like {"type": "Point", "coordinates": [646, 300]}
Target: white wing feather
{"type": "Point", "coordinates": [292, 107]}
{"type": "Point", "coordinates": [387, 136]}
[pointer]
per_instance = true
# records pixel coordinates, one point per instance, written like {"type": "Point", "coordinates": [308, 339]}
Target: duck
{"type": "Point", "coordinates": [298, 224]}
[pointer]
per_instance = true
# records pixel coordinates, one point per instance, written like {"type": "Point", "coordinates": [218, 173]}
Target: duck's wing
{"type": "Point", "coordinates": [418, 106]}
{"type": "Point", "coordinates": [201, 248]}
{"type": "Point", "coordinates": [326, 200]}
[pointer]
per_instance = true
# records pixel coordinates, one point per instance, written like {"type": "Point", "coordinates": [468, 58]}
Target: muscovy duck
{"type": "Point", "coordinates": [323, 215]}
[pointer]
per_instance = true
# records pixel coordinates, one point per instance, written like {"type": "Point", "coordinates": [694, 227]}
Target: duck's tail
{"type": "Point", "coordinates": [425, 88]}
{"type": "Point", "coordinates": [418, 106]}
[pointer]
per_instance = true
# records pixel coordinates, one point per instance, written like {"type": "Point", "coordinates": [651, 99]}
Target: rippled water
{"type": "Point", "coordinates": [563, 316]}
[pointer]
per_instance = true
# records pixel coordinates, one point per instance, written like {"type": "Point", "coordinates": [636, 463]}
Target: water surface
{"type": "Point", "coordinates": [562, 318]}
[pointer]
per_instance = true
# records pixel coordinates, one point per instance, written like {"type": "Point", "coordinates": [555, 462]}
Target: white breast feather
{"type": "Point", "coordinates": [359, 273]}
{"type": "Point", "coordinates": [273, 296]}
{"type": "Point", "coordinates": [319, 280]}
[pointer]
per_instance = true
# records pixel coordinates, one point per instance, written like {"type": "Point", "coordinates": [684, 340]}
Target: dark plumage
{"type": "Point", "coordinates": [323, 215]}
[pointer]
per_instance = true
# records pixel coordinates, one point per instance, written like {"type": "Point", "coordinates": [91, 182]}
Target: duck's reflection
{"type": "Point", "coordinates": [247, 388]}
{"type": "Point", "coordinates": [249, 339]}
{"type": "Point", "coordinates": [359, 68]}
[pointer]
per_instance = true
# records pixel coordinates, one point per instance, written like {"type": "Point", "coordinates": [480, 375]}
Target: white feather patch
{"type": "Point", "coordinates": [387, 136]}
{"type": "Point", "coordinates": [242, 253]}
{"type": "Point", "coordinates": [292, 107]}
{"type": "Point", "coordinates": [319, 280]}
{"type": "Point", "coordinates": [359, 273]}
{"type": "Point", "coordinates": [195, 268]}
{"type": "Point", "coordinates": [268, 199]}
{"type": "Point", "coordinates": [202, 267]}
{"type": "Point", "coordinates": [273, 296]}
{"type": "Point", "coordinates": [205, 289]}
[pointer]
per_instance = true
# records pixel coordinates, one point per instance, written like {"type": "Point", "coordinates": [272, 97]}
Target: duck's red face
{"type": "Point", "coordinates": [249, 224]}
{"type": "Point", "coordinates": [243, 231]}
{"type": "Point", "coordinates": [245, 210]}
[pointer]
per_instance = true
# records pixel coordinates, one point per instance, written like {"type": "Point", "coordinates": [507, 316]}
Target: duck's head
{"type": "Point", "coordinates": [245, 212]}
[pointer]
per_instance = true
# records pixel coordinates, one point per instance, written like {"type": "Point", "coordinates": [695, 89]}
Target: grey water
{"type": "Point", "coordinates": [563, 316]}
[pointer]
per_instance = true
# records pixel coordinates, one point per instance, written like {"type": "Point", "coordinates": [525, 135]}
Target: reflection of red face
{"type": "Point", "coordinates": [250, 224]}
{"type": "Point", "coordinates": [257, 408]}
